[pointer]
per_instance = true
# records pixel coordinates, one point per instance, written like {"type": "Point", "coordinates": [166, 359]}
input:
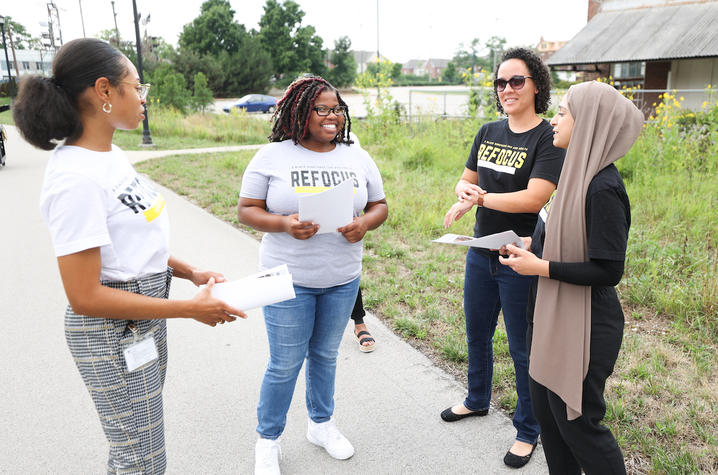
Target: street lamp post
{"type": "Point", "coordinates": [11, 89]}
{"type": "Point", "coordinates": [146, 137]}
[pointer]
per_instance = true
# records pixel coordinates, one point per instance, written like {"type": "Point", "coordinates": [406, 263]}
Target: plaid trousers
{"type": "Point", "coordinates": [129, 404]}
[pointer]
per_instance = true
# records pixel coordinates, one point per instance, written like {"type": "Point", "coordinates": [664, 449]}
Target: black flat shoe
{"type": "Point", "coordinates": [450, 416]}
{"type": "Point", "coordinates": [518, 461]}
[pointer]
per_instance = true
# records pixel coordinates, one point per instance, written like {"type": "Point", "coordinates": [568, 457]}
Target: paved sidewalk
{"type": "Point", "coordinates": [139, 155]}
{"type": "Point", "coordinates": [387, 402]}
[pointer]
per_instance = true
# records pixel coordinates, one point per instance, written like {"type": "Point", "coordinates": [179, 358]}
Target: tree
{"type": "Point", "coordinates": [232, 59]}
{"type": "Point", "coordinates": [468, 58]}
{"type": "Point", "coordinates": [451, 74]}
{"type": "Point", "coordinates": [294, 48]}
{"type": "Point", "coordinates": [386, 67]}
{"type": "Point", "coordinates": [20, 37]}
{"type": "Point", "coordinates": [345, 67]}
{"type": "Point", "coordinates": [495, 45]}
{"type": "Point", "coordinates": [169, 88]}
{"type": "Point", "coordinates": [214, 30]}
{"type": "Point", "coordinates": [127, 47]}
{"type": "Point", "coordinates": [247, 71]}
{"type": "Point", "coordinates": [202, 96]}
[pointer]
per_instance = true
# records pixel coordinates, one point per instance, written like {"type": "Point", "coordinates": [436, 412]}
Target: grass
{"type": "Point", "coordinates": [171, 130]}
{"type": "Point", "coordinates": [6, 117]}
{"type": "Point", "coordinates": [662, 399]}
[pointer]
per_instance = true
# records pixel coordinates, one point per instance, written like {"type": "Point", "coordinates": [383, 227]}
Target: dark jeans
{"type": "Point", "coordinates": [584, 442]}
{"type": "Point", "coordinates": [489, 287]}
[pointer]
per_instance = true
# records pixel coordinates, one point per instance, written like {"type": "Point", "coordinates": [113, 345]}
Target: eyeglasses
{"type": "Point", "coordinates": [142, 89]}
{"type": "Point", "coordinates": [516, 82]}
{"type": "Point", "coordinates": [324, 111]}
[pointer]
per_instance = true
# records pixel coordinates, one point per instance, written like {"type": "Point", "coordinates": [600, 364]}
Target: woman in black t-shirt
{"type": "Point", "coordinates": [510, 173]}
{"type": "Point", "coordinates": [578, 253]}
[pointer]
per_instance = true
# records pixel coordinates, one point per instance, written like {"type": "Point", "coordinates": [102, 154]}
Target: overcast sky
{"type": "Point", "coordinates": [408, 29]}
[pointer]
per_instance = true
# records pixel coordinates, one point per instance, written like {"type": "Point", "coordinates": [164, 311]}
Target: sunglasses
{"type": "Point", "coordinates": [516, 83]}
{"type": "Point", "coordinates": [324, 110]}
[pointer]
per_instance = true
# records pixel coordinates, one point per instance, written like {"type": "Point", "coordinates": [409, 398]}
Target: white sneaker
{"type": "Point", "coordinates": [326, 434]}
{"type": "Point", "coordinates": [266, 457]}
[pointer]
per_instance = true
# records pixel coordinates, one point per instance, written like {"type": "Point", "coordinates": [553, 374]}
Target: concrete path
{"type": "Point", "coordinates": [138, 155]}
{"type": "Point", "coordinates": [387, 402]}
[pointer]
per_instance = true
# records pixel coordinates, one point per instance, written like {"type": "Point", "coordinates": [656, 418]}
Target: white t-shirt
{"type": "Point", "coordinates": [96, 199]}
{"type": "Point", "coordinates": [278, 174]}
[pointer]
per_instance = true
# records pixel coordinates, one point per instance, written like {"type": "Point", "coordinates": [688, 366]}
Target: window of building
{"type": "Point", "coordinates": [628, 75]}
{"type": "Point", "coordinates": [631, 70]}
{"type": "Point", "coordinates": [26, 65]}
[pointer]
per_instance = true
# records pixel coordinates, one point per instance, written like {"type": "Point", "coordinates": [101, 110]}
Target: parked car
{"type": "Point", "coordinates": [255, 103]}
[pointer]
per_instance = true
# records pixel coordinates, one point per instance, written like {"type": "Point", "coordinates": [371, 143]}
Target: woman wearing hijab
{"type": "Point", "coordinates": [577, 253]}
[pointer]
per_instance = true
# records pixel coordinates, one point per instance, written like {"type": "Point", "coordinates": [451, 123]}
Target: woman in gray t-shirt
{"type": "Point", "coordinates": [310, 151]}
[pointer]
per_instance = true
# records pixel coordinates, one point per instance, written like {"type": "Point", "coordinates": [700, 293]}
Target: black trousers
{"type": "Point", "coordinates": [358, 312]}
{"type": "Point", "coordinates": [583, 443]}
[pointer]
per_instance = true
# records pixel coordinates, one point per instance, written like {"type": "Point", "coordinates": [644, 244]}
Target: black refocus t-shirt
{"type": "Point", "coordinates": [505, 161]}
{"type": "Point", "coordinates": [608, 219]}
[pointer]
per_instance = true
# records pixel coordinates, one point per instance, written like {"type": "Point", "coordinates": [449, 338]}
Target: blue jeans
{"type": "Point", "coordinates": [489, 287]}
{"type": "Point", "coordinates": [310, 326]}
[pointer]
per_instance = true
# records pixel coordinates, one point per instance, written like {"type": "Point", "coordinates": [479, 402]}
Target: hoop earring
{"type": "Point", "coordinates": [106, 107]}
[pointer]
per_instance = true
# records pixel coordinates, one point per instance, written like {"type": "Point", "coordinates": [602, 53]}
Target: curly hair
{"type": "Point", "coordinates": [539, 73]}
{"type": "Point", "coordinates": [291, 119]}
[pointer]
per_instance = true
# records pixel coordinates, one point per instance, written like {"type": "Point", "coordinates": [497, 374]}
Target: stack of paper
{"type": "Point", "coordinates": [263, 288]}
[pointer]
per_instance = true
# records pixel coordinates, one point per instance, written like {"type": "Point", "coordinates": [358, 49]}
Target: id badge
{"type": "Point", "coordinates": [141, 352]}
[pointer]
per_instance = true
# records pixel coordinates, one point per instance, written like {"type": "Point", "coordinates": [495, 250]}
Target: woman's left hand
{"type": "Point", "coordinates": [354, 231]}
{"type": "Point", "coordinates": [524, 262]}
{"type": "Point", "coordinates": [201, 277]}
{"type": "Point", "coordinates": [456, 211]}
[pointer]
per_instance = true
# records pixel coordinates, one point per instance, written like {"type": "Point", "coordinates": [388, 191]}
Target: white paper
{"type": "Point", "coordinates": [492, 241]}
{"type": "Point", "coordinates": [330, 209]}
{"type": "Point", "coordinates": [257, 290]}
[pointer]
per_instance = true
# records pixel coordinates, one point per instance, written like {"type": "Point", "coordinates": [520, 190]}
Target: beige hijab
{"type": "Point", "coordinates": [605, 126]}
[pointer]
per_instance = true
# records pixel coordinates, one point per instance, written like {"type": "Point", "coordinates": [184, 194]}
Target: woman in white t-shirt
{"type": "Point", "coordinates": [310, 151]}
{"type": "Point", "coordinates": [110, 230]}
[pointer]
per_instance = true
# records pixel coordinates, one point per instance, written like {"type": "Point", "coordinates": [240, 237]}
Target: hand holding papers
{"type": "Point", "coordinates": [264, 288]}
{"type": "Point", "coordinates": [330, 209]}
{"type": "Point", "coordinates": [492, 241]}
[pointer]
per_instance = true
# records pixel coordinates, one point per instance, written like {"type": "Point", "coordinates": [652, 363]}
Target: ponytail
{"type": "Point", "coordinates": [47, 110]}
{"type": "Point", "coordinates": [44, 113]}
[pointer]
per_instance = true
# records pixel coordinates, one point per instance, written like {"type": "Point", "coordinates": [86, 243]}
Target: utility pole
{"type": "Point", "coordinates": [3, 21]}
{"type": "Point", "coordinates": [378, 58]}
{"type": "Point", "coordinates": [12, 47]}
{"type": "Point", "coordinates": [117, 31]}
{"type": "Point", "coordinates": [53, 16]}
{"type": "Point", "coordinates": [146, 137]}
{"type": "Point", "coordinates": [82, 19]}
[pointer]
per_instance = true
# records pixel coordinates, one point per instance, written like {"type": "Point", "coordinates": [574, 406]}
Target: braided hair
{"type": "Point", "coordinates": [291, 119]}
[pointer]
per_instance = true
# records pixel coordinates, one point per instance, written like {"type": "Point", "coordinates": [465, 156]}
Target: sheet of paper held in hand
{"type": "Point", "coordinates": [260, 289]}
{"type": "Point", "coordinates": [492, 241]}
{"type": "Point", "coordinates": [330, 209]}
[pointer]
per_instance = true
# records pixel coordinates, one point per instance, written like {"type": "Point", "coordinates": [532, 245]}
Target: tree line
{"type": "Point", "coordinates": [218, 57]}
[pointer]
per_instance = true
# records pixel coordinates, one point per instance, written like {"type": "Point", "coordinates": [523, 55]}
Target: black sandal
{"type": "Point", "coordinates": [367, 339]}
